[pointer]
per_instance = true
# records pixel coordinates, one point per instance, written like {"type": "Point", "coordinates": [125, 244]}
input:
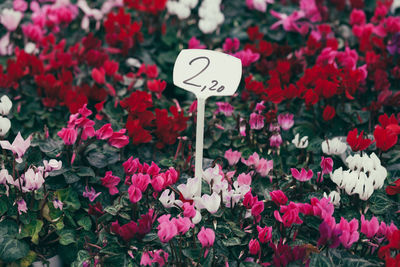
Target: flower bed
{"type": "Point", "coordinates": [301, 164]}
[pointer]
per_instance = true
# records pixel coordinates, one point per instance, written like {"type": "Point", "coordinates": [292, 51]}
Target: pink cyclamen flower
{"type": "Point", "coordinates": [264, 167]}
{"type": "Point", "coordinates": [244, 179]}
{"type": "Point", "coordinates": [58, 204]}
{"type": "Point", "coordinates": [135, 194]}
{"type": "Point", "coordinates": [111, 182]}
{"type": "Point", "coordinates": [188, 210]}
{"type": "Point", "coordinates": [290, 23]}
{"type": "Point", "coordinates": [247, 57]}
{"type": "Point", "coordinates": [22, 206]}
{"type": "Point", "coordinates": [275, 140]}
{"type": "Point", "coordinates": [10, 19]}
{"type": "Point", "coordinates": [33, 180]}
{"type": "Point", "coordinates": [232, 156]}
{"type": "Point", "coordinates": [252, 160]}
{"type": "Point", "coordinates": [256, 121]}
{"type": "Point", "coordinates": [350, 234]}
{"type": "Point", "coordinates": [286, 121]}
{"type": "Point", "coordinates": [167, 230]}
{"type": "Point", "coordinates": [91, 195]}
{"type": "Point", "coordinates": [278, 197]}
{"type": "Point", "coordinates": [104, 132]}
{"type": "Point", "coordinates": [256, 210]}
{"type": "Point", "coordinates": [242, 128]}
{"type": "Point", "coordinates": [141, 181]}
{"type": "Point", "coordinates": [231, 45]}
{"type": "Point", "coordinates": [254, 247]}
{"type": "Point", "coordinates": [18, 147]}
{"type": "Point", "coordinates": [303, 175]}
{"type": "Point", "coordinates": [68, 135]}
{"type": "Point", "coordinates": [326, 165]}
{"type": "Point", "coordinates": [118, 139]}
{"type": "Point", "coordinates": [206, 237]}
{"type": "Point", "coordinates": [264, 234]}
{"type": "Point", "coordinates": [195, 44]}
{"type": "Point", "coordinates": [20, 5]}
{"type": "Point", "coordinates": [369, 228]}
{"type": "Point", "coordinates": [225, 108]}
{"type": "Point", "coordinates": [183, 224]}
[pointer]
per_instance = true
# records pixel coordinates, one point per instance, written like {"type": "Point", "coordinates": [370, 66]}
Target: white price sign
{"type": "Point", "coordinates": [206, 73]}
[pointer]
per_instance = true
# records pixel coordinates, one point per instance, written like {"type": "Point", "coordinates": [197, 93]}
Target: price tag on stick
{"type": "Point", "coordinates": [206, 73]}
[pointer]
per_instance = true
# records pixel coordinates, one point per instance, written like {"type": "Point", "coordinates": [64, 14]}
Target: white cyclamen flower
{"type": "Point", "coordinates": [334, 197]}
{"type": "Point", "coordinates": [211, 203]}
{"type": "Point", "coordinates": [300, 143]}
{"type": "Point", "coordinates": [333, 146]}
{"type": "Point", "coordinates": [190, 189]}
{"type": "Point", "coordinates": [5, 125]}
{"type": "Point", "coordinates": [167, 198]}
{"type": "Point", "coordinates": [5, 105]}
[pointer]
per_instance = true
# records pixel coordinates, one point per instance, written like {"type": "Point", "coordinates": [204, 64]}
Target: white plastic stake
{"type": "Point", "coordinates": [206, 73]}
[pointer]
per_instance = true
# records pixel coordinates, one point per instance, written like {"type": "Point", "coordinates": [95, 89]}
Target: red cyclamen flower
{"type": "Point", "coordinates": [357, 143]}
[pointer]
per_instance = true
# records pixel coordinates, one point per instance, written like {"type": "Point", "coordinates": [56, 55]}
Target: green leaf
{"type": "Point", "coordinates": [51, 147]}
{"type": "Point", "coordinates": [319, 260]}
{"type": "Point", "coordinates": [230, 242]}
{"type": "Point", "coordinates": [85, 222]}
{"type": "Point", "coordinates": [66, 237]}
{"type": "Point", "coordinates": [8, 227]}
{"type": "Point", "coordinates": [82, 256]}
{"type": "Point", "coordinates": [3, 207]}
{"type": "Point", "coordinates": [192, 253]}
{"type": "Point", "coordinates": [33, 230]}
{"type": "Point", "coordinates": [150, 237]}
{"type": "Point", "coordinates": [12, 249]}
{"type": "Point", "coordinates": [85, 171]}
{"type": "Point", "coordinates": [248, 264]}
{"type": "Point", "coordinates": [70, 177]}
{"type": "Point", "coordinates": [102, 159]}
{"type": "Point", "coordinates": [69, 197]}
{"type": "Point", "coordinates": [167, 162]}
{"type": "Point", "coordinates": [379, 203]}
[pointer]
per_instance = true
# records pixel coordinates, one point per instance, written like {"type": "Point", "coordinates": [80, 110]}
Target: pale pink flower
{"type": "Point", "coordinates": [290, 23]}
{"type": "Point", "coordinates": [58, 204]}
{"type": "Point", "coordinates": [22, 206]}
{"type": "Point", "coordinates": [264, 167]}
{"type": "Point", "coordinates": [252, 160]}
{"type": "Point", "coordinates": [244, 179]}
{"type": "Point", "coordinates": [33, 180]}
{"type": "Point", "coordinates": [20, 5]}
{"type": "Point", "coordinates": [260, 5]}
{"type": "Point", "coordinates": [232, 156]}
{"type": "Point", "coordinates": [10, 19]}
{"type": "Point", "coordinates": [18, 147]}
{"type": "Point", "coordinates": [6, 48]}
{"type": "Point", "coordinates": [286, 121]}
{"type": "Point", "coordinates": [92, 195]}
{"type": "Point", "coordinates": [247, 57]}
{"type": "Point", "coordinates": [195, 44]}
{"type": "Point", "coordinates": [303, 175]}
{"type": "Point", "coordinates": [256, 121]}
{"type": "Point", "coordinates": [242, 128]}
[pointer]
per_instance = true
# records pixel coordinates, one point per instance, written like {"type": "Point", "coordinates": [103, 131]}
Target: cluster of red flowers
{"type": "Point", "coordinates": [149, 6]}
{"type": "Point", "coordinates": [121, 33]}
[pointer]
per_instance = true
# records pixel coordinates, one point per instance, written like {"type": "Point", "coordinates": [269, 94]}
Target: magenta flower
{"type": "Point", "coordinates": [18, 147]}
{"type": "Point", "coordinates": [135, 194]}
{"type": "Point", "coordinates": [290, 215]}
{"type": "Point", "coordinates": [278, 197]}
{"type": "Point", "coordinates": [256, 121]}
{"type": "Point", "coordinates": [183, 224]}
{"type": "Point", "coordinates": [225, 108]}
{"type": "Point", "coordinates": [111, 182]}
{"type": "Point", "coordinates": [188, 210]}
{"type": "Point", "coordinates": [232, 156]}
{"type": "Point", "coordinates": [22, 206]}
{"type": "Point", "coordinates": [104, 132]}
{"type": "Point", "coordinates": [302, 176]}
{"type": "Point", "coordinates": [167, 230]}
{"type": "Point", "coordinates": [206, 237]}
{"type": "Point", "coordinates": [286, 121]}
{"type": "Point", "coordinates": [326, 165]}
{"type": "Point", "coordinates": [254, 247]}
{"type": "Point", "coordinates": [194, 43]}
{"type": "Point", "coordinates": [264, 167]}
{"type": "Point", "coordinates": [369, 228]}
{"type": "Point", "coordinates": [247, 57]}
{"type": "Point", "coordinates": [118, 139]}
{"type": "Point", "coordinates": [275, 140]}
{"type": "Point", "coordinates": [264, 234]}
{"type": "Point", "coordinates": [92, 195]}
{"type": "Point", "coordinates": [68, 135]}
{"type": "Point", "coordinates": [350, 234]}
{"type": "Point", "coordinates": [231, 45]}
{"type": "Point", "coordinates": [141, 181]}
{"type": "Point", "coordinates": [329, 235]}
